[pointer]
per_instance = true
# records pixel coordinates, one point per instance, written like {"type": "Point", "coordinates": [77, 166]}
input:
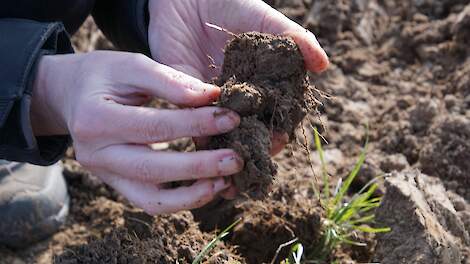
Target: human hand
{"type": "Point", "coordinates": [97, 98]}
{"type": "Point", "coordinates": [180, 38]}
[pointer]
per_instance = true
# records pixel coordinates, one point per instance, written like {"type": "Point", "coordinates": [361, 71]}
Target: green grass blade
{"type": "Point", "coordinates": [373, 181]}
{"type": "Point", "coordinates": [321, 154]}
{"type": "Point", "coordinates": [368, 229]}
{"type": "Point", "coordinates": [213, 242]}
{"type": "Point", "coordinates": [369, 207]}
{"type": "Point", "coordinates": [347, 183]}
{"type": "Point", "coordinates": [328, 238]}
{"type": "Point", "coordinates": [365, 219]}
{"type": "Point", "coordinates": [354, 211]}
{"type": "Point", "coordinates": [356, 206]}
{"type": "Point", "coordinates": [364, 198]}
{"type": "Point", "coordinates": [346, 210]}
{"type": "Point", "coordinates": [354, 243]}
{"type": "Point", "coordinates": [375, 200]}
{"type": "Point", "coordinates": [297, 252]}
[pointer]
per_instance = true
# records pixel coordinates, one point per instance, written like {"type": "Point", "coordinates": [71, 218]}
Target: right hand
{"type": "Point", "coordinates": [97, 98]}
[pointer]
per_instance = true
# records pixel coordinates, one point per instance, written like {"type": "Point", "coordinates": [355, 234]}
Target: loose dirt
{"type": "Point", "coordinates": [264, 80]}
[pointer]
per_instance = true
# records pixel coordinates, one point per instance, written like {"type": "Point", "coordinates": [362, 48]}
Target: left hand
{"type": "Point", "coordinates": [180, 38]}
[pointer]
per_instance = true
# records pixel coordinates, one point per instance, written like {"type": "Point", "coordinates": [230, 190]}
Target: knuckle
{"type": "Point", "coordinates": [199, 128]}
{"type": "Point", "coordinates": [186, 88]}
{"type": "Point", "coordinates": [197, 169]}
{"type": "Point", "coordinates": [137, 59]}
{"type": "Point", "coordinates": [128, 62]}
{"type": "Point", "coordinates": [143, 169]}
{"type": "Point", "coordinates": [82, 127]}
{"type": "Point", "coordinates": [156, 130]}
{"type": "Point", "coordinates": [85, 160]}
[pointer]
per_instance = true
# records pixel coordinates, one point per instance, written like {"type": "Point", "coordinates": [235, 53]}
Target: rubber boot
{"type": "Point", "coordinates": [33, 202]}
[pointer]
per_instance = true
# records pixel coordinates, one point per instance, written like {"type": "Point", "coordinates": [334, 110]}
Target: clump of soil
{"type": "Point", "coordinates": [264, 80]}
{"type": "Point", "coordinates": [265, 226]}
{"type": "Point", "coordinates": [432, 233]}
{"type": "Point", "coordinates": [447, 152]}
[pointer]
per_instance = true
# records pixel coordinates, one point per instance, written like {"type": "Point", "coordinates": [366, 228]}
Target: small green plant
{"type": "Point", "coordinates": [295, 255]}
{"type": "Point", "coordinates": [207, 248]}
{"type": "Point", "coordinates": [343, 220]}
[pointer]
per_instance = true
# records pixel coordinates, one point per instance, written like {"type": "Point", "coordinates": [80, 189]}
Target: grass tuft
{"type": "Point", "coordinates": [343, 219]}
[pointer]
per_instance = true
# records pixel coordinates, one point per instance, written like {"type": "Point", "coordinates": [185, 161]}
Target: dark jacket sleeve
{"type": "Point", "coordinates": [22, 43]}
{"type": "Point", "coordinates": [124, 22]}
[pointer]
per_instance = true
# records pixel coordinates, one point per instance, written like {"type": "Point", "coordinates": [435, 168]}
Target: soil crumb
{"type": "Point", "coordinates": [264, 80]}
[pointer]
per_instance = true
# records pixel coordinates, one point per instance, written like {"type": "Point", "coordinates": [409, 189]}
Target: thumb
{"type": "Point", "coordinates": [315, 57]}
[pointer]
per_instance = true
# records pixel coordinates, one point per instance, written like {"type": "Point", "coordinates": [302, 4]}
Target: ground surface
{"type": "Point", "coordinates": [403, 67]}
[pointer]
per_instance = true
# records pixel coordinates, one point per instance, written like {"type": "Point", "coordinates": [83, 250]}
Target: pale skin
{"type": "Point", "coordinates": [97, 98]}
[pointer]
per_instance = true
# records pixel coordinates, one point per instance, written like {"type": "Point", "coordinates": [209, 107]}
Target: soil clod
{"type": "Point", "coordinates": [264, 80]}
{"type": "Point", "coordinates": [425, 226]}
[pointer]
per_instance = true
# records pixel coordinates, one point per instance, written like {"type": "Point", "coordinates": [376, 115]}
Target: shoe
{"type": "Point", "coordinates": [33, 202]}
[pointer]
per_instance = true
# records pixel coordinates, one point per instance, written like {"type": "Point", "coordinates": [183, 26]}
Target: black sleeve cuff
{"type": "Point", "coordinates": [22, 45]}
{"type": "Point", "coordinates": [125, 23]}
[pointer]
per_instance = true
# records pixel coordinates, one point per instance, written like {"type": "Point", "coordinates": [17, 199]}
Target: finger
{"type": "Point", "coordinates": [181, 200]}
{"type": "Point", "coordinates": [144, 164]}
{"type": "Point", "coordinates": [315, 57]}
{"type": "Point", "coordinates": [279, 141]}
{"type": "Point", "coordinates": [132, 124]}
{"type": "Point", "coordinates": [259, 16]}
{"type": "Point", "coordinates": [230, 193]}
{"type": "Point", "coordinates": [164, 82]}
{"type": "Point", "coordinates": [155, 200]}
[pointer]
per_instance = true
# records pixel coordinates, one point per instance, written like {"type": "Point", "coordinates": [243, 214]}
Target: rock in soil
{"type": "Point", "coordinates": [264, 80]}
{"type": "Point", "coordinates": [426, 228]}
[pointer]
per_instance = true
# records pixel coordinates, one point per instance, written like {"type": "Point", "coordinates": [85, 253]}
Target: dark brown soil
{"type": "Point", "coordinates": [144, 239]}
{"type": "Point", "coordinates": [266, 226]}
{"type": "Point", "coordinates": [264, 80]}
{"type": "Point", "coordinates": [403, 67]}
{"type": "Point", "coordinates": [447, 153]}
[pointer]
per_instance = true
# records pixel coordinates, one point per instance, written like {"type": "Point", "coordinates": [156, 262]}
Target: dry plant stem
{"type": "Point", "coordinates": [309, 158]}
{"type": "Point", "coordinates": [220, 29]}
{"type": "Point", "coordinates": [288, 243]}
{"type": "Point", "coordinates": [319, 134]}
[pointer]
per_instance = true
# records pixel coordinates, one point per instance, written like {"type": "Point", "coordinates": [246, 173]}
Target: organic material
{"type": "Point", "coordinates": [264, 80]}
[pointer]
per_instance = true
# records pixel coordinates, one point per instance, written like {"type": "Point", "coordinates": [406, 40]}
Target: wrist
{"type": "Point", "coordinates": [48, 96]}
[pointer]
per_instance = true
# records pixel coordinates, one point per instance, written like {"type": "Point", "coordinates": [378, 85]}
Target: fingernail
{"type": "Point", "coordinates": [220, 185]}
{"type": "Point", "coordinates": [226, 121]}
{"type": "Point", "coordinates": [230, 165]}
{"type": "Point", "coordinates": [214, 92]}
